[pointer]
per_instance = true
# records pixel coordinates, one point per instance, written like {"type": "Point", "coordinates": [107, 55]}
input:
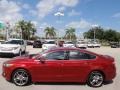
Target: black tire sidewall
{"type": "Point", "coordinates": [88, 81]}
{"type": "Point", "coordinates": [29, 79]}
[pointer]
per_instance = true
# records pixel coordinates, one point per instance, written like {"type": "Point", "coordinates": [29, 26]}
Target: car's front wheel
{"type": "Point", "coordinates": [20, 77]}
{"type": "Point", "coordinates": [95, 79]}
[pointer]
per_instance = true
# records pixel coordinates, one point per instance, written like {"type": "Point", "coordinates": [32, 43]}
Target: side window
{"type": "Point", "coordinates": [77, 55]}
{"type": "Point", "coordinates": [22, 42]}
{"type": "Point", "coordinates": [58, 55]}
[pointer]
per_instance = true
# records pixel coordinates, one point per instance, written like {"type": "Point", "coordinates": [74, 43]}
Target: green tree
{"type": "Point", "coordinates": [27, 28]}
{"type": "Point", "coordinates": [50, 32]}
{"type": "Point", "coordinates": [111, 35]}
{"type": "Point", "coordinates": [98, 31]}
{"type": "Point", "coordinates": [70, 34]}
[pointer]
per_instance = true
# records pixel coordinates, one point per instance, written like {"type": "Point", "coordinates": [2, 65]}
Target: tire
{"type": "Point", "coordinates": [24, 51]}
{"type": "Point", "coordinates": [95, 79]}
{"type": "Point", "coordinates": [20, 52]}
{"type": "Point", "coordinates": [21, 77]}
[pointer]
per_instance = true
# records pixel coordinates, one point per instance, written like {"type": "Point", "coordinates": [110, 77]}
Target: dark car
{"type": "Point", "coordinates": [115, 44]}
{"type": "Point", "coordinates": [61, 65]}
{"type": "Point", "coordinates": [37, 44]}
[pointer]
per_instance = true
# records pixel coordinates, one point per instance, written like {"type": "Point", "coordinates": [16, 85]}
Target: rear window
{"type": "Point", "coordinates": [77, 55]}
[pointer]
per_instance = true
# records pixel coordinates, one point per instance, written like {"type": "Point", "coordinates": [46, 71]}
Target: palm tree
{"type": "Point", "coordinates": [31, 30]}
{"type": "Point", "coordinates": [50, 32]}
{"type": "Point", "coordinates": [70, 34]}
{"type": "Point", "coordinates": [27, 29]}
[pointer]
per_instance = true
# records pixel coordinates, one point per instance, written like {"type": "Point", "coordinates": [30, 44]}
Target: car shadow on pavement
{"type": "Point", "coordinates": [108, 82]}
{"type": "Point", "coordinates": [58, 83]}
{"type": "Point", "coordinates": [68, 83]}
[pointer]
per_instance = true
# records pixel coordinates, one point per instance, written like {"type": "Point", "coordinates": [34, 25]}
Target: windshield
{"type": "Point", "coordinates": [13, 42]}
{"type": "Point", "coordinates": [81, 42]}
{"type": "Point", "coordinates": [49, 42]}
{"type": "Point", "coordinates": [69, 43]}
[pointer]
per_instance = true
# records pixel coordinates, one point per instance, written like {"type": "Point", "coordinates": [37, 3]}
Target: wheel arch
{"type": "Point", "coordinates": [96, 70]}
{"type": "Point", "coordinates": [21, 69]}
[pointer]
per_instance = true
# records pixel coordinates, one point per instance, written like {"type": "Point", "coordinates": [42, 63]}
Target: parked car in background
{"type": "Point", "coordinates": [37, 44]}
{"type": "Point", "coordinates": [115, 44]}
{"type": "Point", "coordinates": [77, 65]}
{"type": "Point", "coordinates": [93, 44]}
{"type": "Point", "coordinates": [81, 44]}
{"type": "Point", "coordinates": [48, 44]}
{"type": "Point", "coordinates": [2, 41]}
{"type": "Point", "coordinates": [68, 44]}
{"type": "Point", "coordinates": [29, 42]}
{"type": "Point", "coordinates": [13, 47]}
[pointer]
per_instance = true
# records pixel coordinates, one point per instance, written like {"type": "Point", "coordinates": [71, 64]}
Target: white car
{"type": "Point", "coordinates": [13, 46]}
{"type": "Point", "coordinates": [1, 41]}
{"type": "Point", "coordinates": [93, 44]}
{"type": "Point", "coordinates": [68, 44]}
{"type": "Point", "coordinates": [48, 44]}
{"type": "Point", "coordinates": [81, 44]}
{"type": "Point", "coordinates": [96, 44]}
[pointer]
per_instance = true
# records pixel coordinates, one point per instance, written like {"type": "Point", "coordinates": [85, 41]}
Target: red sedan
{"type": "Point", "coordinates": [61, 65]}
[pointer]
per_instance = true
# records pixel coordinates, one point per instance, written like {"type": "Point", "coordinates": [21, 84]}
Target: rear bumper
{"type": "Point", "coordinates": [110, 73]}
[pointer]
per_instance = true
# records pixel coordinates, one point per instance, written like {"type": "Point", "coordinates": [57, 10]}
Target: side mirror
{"type": "Point", "coordinates": [42, 59]}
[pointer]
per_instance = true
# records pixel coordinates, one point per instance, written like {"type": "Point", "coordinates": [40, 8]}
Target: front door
{"type": "Point", "coordinates": [50, 70]}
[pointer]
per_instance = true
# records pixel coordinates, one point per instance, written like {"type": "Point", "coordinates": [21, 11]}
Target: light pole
{"type": "Point", "coordinates": [7, 30]}
{"type": "Point", "coordinates": [94, 26]}
{"type": "Point", "coordinates": [59, 15]}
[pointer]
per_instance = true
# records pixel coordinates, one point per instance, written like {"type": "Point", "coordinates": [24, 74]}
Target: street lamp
{"type": "Point", "coordinates": [94, 26]}
{"type": "Point", "coordinates": [7, 30]}
{"type": "Point", "coordinates": [59, 15]}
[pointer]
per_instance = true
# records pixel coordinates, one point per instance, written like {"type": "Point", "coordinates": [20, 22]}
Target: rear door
{"type": "Point", "coordinates": [76, 67]}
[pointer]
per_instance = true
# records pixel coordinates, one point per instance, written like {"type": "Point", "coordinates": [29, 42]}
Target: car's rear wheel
{"type": "Point", "coordinates": [95, 79]}
{"type": "Point", "coordinates": [21, 77]}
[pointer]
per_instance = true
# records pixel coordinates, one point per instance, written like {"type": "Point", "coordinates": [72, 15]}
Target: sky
{"type": "Point", "coordinates": [80, 14]}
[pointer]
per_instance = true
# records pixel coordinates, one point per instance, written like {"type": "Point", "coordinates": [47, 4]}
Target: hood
{"type": "Point", "coordinates": [9, 45]}
{"type": "Point", "coordinates": [20, 59]}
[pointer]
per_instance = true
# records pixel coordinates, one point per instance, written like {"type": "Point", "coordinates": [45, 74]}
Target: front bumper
{"type": "Point", "coordinates": [12, 52]}
{"type": "Point", "coordinates": [6, 73]}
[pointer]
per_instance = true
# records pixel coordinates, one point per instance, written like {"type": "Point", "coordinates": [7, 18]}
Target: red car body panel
{"type": "Point", "coordinates": [62, 70]}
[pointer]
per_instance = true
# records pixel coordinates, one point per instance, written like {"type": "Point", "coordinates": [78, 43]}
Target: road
{"type": "Point", "coordinates": [115, 85]}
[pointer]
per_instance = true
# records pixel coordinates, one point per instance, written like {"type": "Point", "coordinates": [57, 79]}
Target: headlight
{"type": "Point", "coordinates": [15, 48]}
{"type": "Point", "coordinates": [44, 46]}
{"type": "Point", "coordinates": [7, 65]}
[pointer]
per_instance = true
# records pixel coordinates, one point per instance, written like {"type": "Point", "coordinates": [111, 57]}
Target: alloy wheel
{"type": "Point", "coordinates": [20, 77]}
{"type": "Point", "coordinates": [95, 79]}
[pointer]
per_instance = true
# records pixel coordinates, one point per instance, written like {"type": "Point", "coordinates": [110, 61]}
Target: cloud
{"type": "Point", "coordinates": [74, 13]}
{"type": "Point", "coordinates": [35, 23]}
{"type": "Point", "coordinates": [45, 7]}
{"type": "Point", "coordinates": [40, 30]}
{"type": "Point", "coordinates": [26, 6]}
{"type": "Point", "coordinates": [117, 15]}
{"type": "Point", "coordinates": [33, 12]}
{"type": "Point", "coordinates": [10, 11]}
{"type": "Point", "coordinates": [82, 24]}
{"type": "Point", "coordinates": [61, 9]}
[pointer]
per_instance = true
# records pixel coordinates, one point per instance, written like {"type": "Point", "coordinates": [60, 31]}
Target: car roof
{"type": "Point", "coordinates": [71, 48]}
{"type": "Point", "coordinates": [15, 39]}
{"type": "Point", "coordinates": [49, 40]}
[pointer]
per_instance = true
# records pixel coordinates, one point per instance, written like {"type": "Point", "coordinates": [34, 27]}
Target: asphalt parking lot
{"type": "Point", "coordinates": [115, 85]}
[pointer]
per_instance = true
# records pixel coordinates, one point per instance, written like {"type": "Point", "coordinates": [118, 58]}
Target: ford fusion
{"type": "Point", "coordinates": [61, 65]}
